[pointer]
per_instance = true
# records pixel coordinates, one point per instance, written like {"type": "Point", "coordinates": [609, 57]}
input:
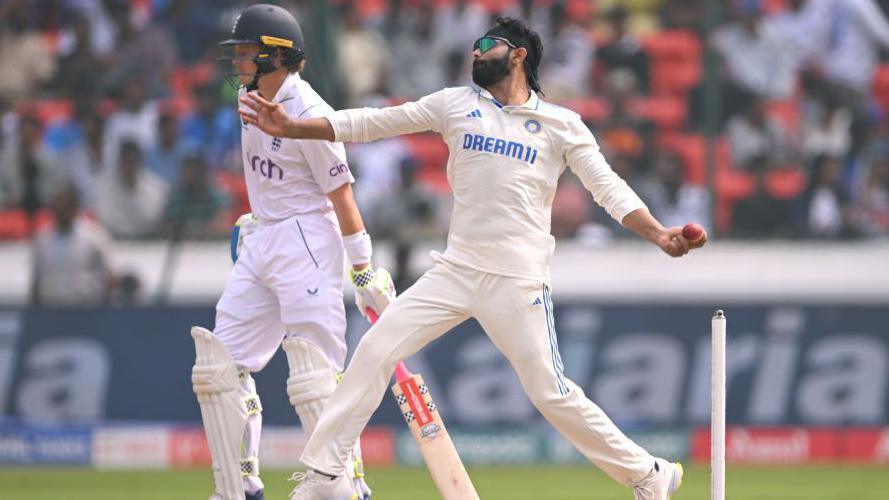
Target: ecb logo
{"type": "Point", "coordinates": [276, 144]}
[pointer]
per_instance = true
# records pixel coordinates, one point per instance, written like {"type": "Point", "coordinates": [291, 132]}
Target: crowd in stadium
{"type": "Point", "coordinates": [118, 109]}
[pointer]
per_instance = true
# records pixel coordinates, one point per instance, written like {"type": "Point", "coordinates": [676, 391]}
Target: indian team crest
{"type": "Point", "coordinates": [532, 126]}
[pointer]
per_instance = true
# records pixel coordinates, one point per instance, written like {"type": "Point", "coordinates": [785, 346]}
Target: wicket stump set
{"type": "Point", "coordinates": [717, 406]}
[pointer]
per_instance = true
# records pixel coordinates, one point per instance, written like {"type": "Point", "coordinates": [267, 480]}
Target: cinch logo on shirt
{"type": "Point", "coordinates": [337, 169]}
{"type": "Point", "coordinates": [500, 147]}
{"type": "Point", "coordinates": [267, 168]}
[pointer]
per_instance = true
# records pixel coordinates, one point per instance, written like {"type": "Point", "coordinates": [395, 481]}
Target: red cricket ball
{"type": "Point", "coordinates": [693, 232]}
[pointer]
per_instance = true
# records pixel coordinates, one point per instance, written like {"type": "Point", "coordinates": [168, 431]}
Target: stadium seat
{"type": "Point", "coordinates": [591, 110]}
{"type": "Point", "coordinates": [881, 86]}
{"type": "Point", "coordinates": [786, 112]}
{"type": "Point", "coordinates": [234, 185]}
{"type": "Point", "coordinates": [673, 45]}
{"type": "Point", "coordinates": [47, 110]}
{"type": "Point", "coordinates": [692, 148]}
{"type": "Point", "coordinates": [667, 112]}
{"type": "Point", "coordinates": [786, 184]}
{"type": "Point", "coordinates": [14, 224]}
{"type": "Point", "coordinates": [675, 61]}
{"type": "Point", "coordinates": [432, 155]}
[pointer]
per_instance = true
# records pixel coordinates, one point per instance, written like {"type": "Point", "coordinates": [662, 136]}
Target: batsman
{"type": "Point", "coordinates": [508, 148]}
{"type": "Point", "coordinates": [286, 286]}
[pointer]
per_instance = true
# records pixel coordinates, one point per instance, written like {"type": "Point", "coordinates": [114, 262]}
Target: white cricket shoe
{"type": "Point", "coordinates": [315, 486]}
{"type": "Point", "coordinates": [661, 483]}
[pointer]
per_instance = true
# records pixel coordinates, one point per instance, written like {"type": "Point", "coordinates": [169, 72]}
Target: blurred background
{"type": "Point", "coordinates": [765, 120]}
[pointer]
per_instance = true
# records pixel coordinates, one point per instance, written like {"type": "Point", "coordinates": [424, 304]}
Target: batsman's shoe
{"type": "Point", "coordinates": [259, 495]}
{"type": "Point", "coordinates": [663, 481]}
{"type": "Point", "coordinates": [315, 486]}
{"type": "Point", "coordinates": [362, 490]}
{"type": "Point", "coordinates": [356, 476]}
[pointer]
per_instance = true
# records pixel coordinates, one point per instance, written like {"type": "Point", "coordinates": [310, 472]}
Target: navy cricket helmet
{"type": "Point", "coordinates": [276, 32]}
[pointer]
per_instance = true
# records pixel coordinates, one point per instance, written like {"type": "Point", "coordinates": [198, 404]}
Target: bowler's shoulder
{"type": "Point", "coordinates": [558, 113]}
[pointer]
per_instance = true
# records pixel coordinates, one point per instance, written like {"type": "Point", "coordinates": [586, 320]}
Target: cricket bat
{"type": "Point", "coordinates": [428, 430]}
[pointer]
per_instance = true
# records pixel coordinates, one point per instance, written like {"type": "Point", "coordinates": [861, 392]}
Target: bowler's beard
{"type": "Point", "coordinates": [488, 72]}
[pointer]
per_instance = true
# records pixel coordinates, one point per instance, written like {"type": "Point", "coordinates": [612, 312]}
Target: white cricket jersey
{"type": "Point", "coordinates": [504, 164]}
{"type": "Point", "coordinates": [290, 177]}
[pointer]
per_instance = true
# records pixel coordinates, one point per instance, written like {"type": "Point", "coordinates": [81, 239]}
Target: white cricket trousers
{"type": "Point", "coordinates": [517, 316]}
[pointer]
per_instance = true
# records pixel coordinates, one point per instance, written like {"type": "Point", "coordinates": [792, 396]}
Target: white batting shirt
{"type": "Point", "coordinates": [290, 177]}
{"type": "Point", "coordinates": [503, 168]}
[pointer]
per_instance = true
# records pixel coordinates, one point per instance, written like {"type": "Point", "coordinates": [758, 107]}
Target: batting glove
{"type": "Point", "coordinates": [374, 290]}
{"type": "Point", "coordinates": [245, 225]}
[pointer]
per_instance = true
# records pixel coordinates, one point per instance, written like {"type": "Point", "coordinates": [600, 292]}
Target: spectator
{"type": "Point", "coordinates": [130, 199]}
{"type": "Point", "coordinates": [827, 207]}
{"type": "Point", "coordinates": [874, 203]}
{"type": "Point", "coordinates": [826, 127]}
{"type": "Point", "coordinates": [76, 77]}
{"type": "Point", "coordinates": [624, 50]}
{"type": "Point", "coordinates": [195, 32]}
{"type": "Point", "coordinates": [623, 132]}
{"type": "Point", "coordinates": [214, 128]}
{"type": "Point", "coordinates": [683, 15]}
{"type": "Point", "coordinates": [364, 70]}
{"type": "Point", "coordinates": [147, 48]}
{"type": "Point", "coordinates": [135, 119]}
{"type": "Point", "coordinates": [670, 198]}
{"type": "Point", "coordinates": [754, 136]}
{"type": "Point", "coordinates": [29, 174]}
{"type": "Point", "coordinates": [849, 38]}
{"type": "Point", "coordinates": [458, 24]}
{"type": "Point", "coordinates": [378, 166]}
{"type": "Point", "coordinates": [418, 57]}
{"type": "Point", "coordinates": [761, 215]}
{"type": "Point", "coordinates": [165, 159]}
{"type": "Point", "coordinates": [565, 72]}
{"type": "Point", "coordinates": [756, 57]}
{"type": "Point", "coordinates": [75, 146]}
{"type": "Point", "coordinates": [195, 203]}
{"type": "Point", "coordinates": [26, 59]}
{"type": "Point", "coordinates": [71, 264]}
{"type": "Point", "coordinates": [411, 216]}
{"type": "Point", "coordinates": [100, 29]}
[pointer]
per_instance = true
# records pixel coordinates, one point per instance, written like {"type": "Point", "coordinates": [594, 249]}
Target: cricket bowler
{"type": "Point", "coordinates": [286, 285]}
{"type": "Point", "coordinates": [508, 148]}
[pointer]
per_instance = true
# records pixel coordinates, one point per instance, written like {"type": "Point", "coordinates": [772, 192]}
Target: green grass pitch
{"type": "Point", "coordinates": [495, 483]}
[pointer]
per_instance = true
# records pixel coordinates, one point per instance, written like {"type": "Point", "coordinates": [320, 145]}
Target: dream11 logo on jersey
{"type": "Point", "coordinates": [266, 168]}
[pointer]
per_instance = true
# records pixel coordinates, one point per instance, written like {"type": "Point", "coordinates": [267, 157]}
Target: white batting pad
{"type": "Point", "coordinates": [312, 380]}
{"type": "Point", "coordinates": [224, 410]}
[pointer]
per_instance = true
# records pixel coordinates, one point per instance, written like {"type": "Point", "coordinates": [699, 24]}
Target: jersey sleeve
{"type": "Point", "coordinates": [371, 124]}
{"type": "Point", "coordinates": [584, 158]}
{"type": "Point", "coordinates": [326, 160]}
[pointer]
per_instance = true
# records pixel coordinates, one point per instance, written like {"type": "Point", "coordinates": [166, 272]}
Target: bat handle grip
{"type": "Point", "coordinates": [371, 315]}
{"type": "Point", "coordinates": [401, 371]}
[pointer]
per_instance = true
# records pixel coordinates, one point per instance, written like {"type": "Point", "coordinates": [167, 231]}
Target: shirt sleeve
{"type": "Point", "coordinates": [370, 124]}
{"type": "Point", "coordinates": [326, 160]}
{"type": "Point", "coordinates": [873, 20]}
{"type": "Point", "coordinates": [583, 157]}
